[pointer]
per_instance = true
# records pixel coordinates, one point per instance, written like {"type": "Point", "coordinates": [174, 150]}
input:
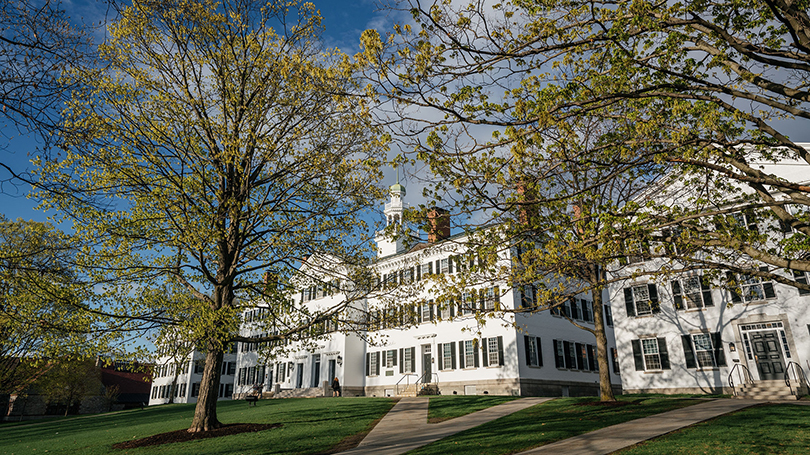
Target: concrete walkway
{"type": "Point", "coordinates": [405, 426]}
{"type": "Point", "coordinates": [613, 438]}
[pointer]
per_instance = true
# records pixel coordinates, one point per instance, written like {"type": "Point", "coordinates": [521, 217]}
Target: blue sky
{"type": "Point", "coordinates": [343, 22]}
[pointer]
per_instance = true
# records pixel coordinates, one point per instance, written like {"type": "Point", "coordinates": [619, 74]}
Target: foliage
{"type": "Point", "coordinates": [68, 382]}
{"type": "Point", "coordinates": [42, 317]}
{"type": "Point", "coordinates": [216, 142]}
{"type": "Point", "coordinates": [308, 426]}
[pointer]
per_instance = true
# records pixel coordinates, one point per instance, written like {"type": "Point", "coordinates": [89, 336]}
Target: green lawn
{"type": "Point", "coordinates": [548, 422]}
{"type": "Point", "coordinates": [309, 426]}
{"type": "Point", "coordinates": [452, 406]}
{"type": "Point", "coordinates": [766, 429]}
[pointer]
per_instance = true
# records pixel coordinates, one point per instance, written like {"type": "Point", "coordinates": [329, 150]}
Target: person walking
{"type": "Point", "coordinates": [335, 387]}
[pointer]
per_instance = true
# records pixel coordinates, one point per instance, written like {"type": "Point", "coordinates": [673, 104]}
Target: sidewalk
{"type": "Point", "coordinates": [405, 426]}
{"type": "Point", "coordinates": [613, 438]}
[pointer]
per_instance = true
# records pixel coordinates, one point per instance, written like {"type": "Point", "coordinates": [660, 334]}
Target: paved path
{"type": "Point", "coordinates": [610, 439]}
{"type": "Point", "coordinates": [405, 426]}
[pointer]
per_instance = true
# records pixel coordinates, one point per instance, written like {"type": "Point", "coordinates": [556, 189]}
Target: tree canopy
{"type": "Point", "coordinates": [218, 141]}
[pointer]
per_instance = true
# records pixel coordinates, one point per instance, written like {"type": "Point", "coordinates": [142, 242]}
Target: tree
{"type": "Point", "coordinates": [709, 89]}
{"type": "Point", "coordinates": [68, 382]}
{"type": "Point", "coordinates": [38, 43]}
{"type": "Point", "coordinates": [216, 142]}
{"type": "Point", "coordinates": [41, 316]}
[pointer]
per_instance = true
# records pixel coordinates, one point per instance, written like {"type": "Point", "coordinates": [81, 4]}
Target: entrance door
{"type": "Point", "coordinates": [332, 374]}
{"type": "Point", "coordinates": [427, 361]}
{"type": "Point", "coordinates": [299, 380]}
{"type": "Point", "coordinates": [768, 355]}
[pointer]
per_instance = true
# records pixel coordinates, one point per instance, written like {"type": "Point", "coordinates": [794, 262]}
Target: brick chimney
{"type": "Point", "coordinates": [527, 199]}
{"type": "Point", "coordinates": [438, 224]}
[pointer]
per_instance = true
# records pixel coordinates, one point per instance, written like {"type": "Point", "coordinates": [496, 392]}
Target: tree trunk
{"type": "Point", "coordinates": [205, 414]}
{"type": "Point", "coordinates": [605, 388]}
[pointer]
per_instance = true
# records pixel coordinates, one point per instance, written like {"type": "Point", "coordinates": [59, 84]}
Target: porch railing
{"type": "Point", "coordinates": [743, 374]}
{"type": "Point", "coordinates": [799, 378]}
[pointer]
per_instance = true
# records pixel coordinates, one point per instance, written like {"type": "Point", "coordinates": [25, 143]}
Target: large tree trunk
{"type": "Point", "coordinates": [602, 355]}
{"type": "Point", "coordinates": [205, 414]}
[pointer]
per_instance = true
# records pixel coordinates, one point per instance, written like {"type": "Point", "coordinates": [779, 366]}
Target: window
{"type": "Point", "coordinates": [581, 351]}
{"type": "Point", "coordinates": [635, 251]}
{"type": "Point", "coordinates": [533, 356]}
{"type": "Point", "coordinates": [407, 276]}
{"type": "Point", "coordinates": [372, 364]}
{"type": "Point", "coordinates": [154, 392]}
{"type": "Point", "coordinates": [747, 219]}
{"type": "Point", "coordinates": [614, 358]}
{"type": "Point", "coordinates": [390, 358]}
{"type": "Point", "coordinates": [225, 390]}
{"type": "Point", "coordinates": [493, 351]}
{"type": "Point", "coordinates": [750, 288]}
{"type": "Point", "coordinates": [703, 350]}
{"type": "Point", "coordinates": [448, 311]}
{"type": "Point", "coordinates": [650, 354]}
{"type": "Point", "coordinates": [468, 302]}
{"type": "Point", "coordinates": [691, 292]}
{"type": "Point", "coordinates": [195, 389]}
{"type": "Point", "coordinates": [559, 354]}
{"type": "Point", "coordinates": [426, 310]}
{"type": "Point", "coordinates": [468, 354]}
{"type": "Point", "coordinates": [641, 300]}
{"type": "Point", "coordinates": [801, 277]}
{"type": "Point", "coordinates": [608, 316]}
{"type": "Point", "coordinates": [443, 266]}
{"type": "Point", "coordinates": [407, 355]}
{"type": "Point", "coordinates": [447, 356]}
{"type": "Point", "coordinates": [199, 365]}
{"type": "Point", "coordinates": [587, 310]}
{"type": "Point", "coordinates": [426, 269]}
{"type": "Point", "coordinates": [182, 390]}
{"type": "Point", "coordinates": [527, 296]}
{"type": "Point", "coordinates": [491, 298]}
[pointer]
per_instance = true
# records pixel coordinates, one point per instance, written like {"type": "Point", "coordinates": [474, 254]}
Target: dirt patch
{"type": "Point", "coordinates": [606, 404]}
{"type": "Point", "coordinates": [184, 435]}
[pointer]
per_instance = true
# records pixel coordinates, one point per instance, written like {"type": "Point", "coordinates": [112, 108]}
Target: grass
{"type": "Point", "coordinates": [549, 422]}
{"type": "Point", "coordinates": [309, 426]}
{"type": "Point", "coordinates": [764, 429]}
{"type": "Point", "coordinates": [452, 406]}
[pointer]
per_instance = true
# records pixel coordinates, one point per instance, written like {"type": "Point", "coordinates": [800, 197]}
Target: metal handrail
{"type": "Point", "coordinates": [746, 376]}
{"type": "Point", "coordinates": [408, 377]}
{"type": "Point", "coordinates": [798, 372]}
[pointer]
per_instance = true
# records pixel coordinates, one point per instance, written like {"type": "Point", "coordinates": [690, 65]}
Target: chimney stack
{"type": "Point", "coordinates": [438, 224]}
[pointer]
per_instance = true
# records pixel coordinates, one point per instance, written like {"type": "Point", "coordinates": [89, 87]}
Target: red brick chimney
{"type": "Point", "coordinates": [438, 224]}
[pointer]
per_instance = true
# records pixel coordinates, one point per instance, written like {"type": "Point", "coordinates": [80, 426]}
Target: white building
{"type": "Point", "coordinates": [686, 333]}
{"type": "Point", "coordinates": [430, 340]}
{"type": "Point", "coordinates": [188, 373]}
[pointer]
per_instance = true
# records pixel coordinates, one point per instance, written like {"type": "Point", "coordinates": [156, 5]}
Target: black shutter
{"type": "Point", "coordinates": [735, 297]}
{"type": "Point", "coordinates": [581, 360]}
{"type": "Point", "coordinates": [432, 311]}
{"type": "Point", "coordinates": [558, 360]}
{"type": "Point", "coordinates": [413, 360]}
{"type": "Point", "coordinates": [453, 355]}
{"type": "Point", "coordinates": [539, 353]}
{"type": "Point", "coordinates": [440, 355]}
{"type": "Point", "coordinates": [476, 363]}
{"type": "Point", "coordinates": [637, 356]}
{"type": "Point", "coordinates": [688, 351]}
{"type": "Point", "coordinates": [368, 363]}
{"type": "Point", "coordinates": [450, 261]}
{"type": "Point", "coordinates": [500, 351]}
{"type": "Point", "coordinates": [574, 308]}
{"type": "Point", "coordinates": [461, 355]}
{"type": "Point", "coordinates": [527, 349]}
{"type": "Point", "coordinates": [378, 361]}
{"type": "Point", "coordinates": [628, 302]}
{"type": "Point", "coordinates": [662, 351]}
{"type": "Point", "coordinates": [438, 266]}
{"type": "Point", "coordinates": [656, 308]}
{"type": "Point", "coordinates": [452, 305]}
{"type": "Point", "coordinates": [484, 352]}
{"type": "Point", "coordinates": [719, 352]}
{"type": "Point", "coordinates": [676, 294]}
{"type": "Point", "coordinates": [418, 272]}
{"type": "Point", "coordinates": [401, 361]}
{"type": "Point", "coordinates": [770, 293]}
{"type": "Point", "coordinates": [430, 268]}
{"type": "Point", "coordinates": [707, 291]}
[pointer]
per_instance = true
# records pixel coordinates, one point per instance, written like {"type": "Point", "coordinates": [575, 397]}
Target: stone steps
{"type": "Point", "coordinates": [310, 392]}
{"type": "Point", "coordinates": [770, 391]}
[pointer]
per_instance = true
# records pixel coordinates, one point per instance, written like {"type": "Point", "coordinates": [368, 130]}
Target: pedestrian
{"type": "Point", "coordinates": [335, 387]}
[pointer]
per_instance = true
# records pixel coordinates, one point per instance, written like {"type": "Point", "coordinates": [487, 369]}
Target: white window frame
{"type": "Point", "coordinates": [444, 265]}
{"type": "Point", "coordinates": [407, 361]}
{"type": "Point", "coordinates": [704, 350]}
{"type": "Point", "coordinates": [469, 354]}
{"type": "Point", "coordinates": [645, 304]}
{"type": "Point", "coordinates": [447, 356]}
{"type": "Point", "coordinates": [425, 311]}
{"type": "Point", "coordinates": [533, 360]}
{"type": "Point", "coordinates": [652, 360]}
{"type": "Point", "coordinates": [372, 365]}
{"type": "Point", "coordinates": [390, 358]}
{"type": "Point", "coordinates": [492, 352]}
{"type": "Point", "coordinates": [489, 298]}
{"type": "Point", "coordinates": [694, 299]}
